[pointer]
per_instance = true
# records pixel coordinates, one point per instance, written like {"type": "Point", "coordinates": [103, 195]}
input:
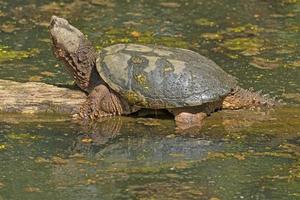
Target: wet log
{"type": "Point", "coordinates": [36, 97]}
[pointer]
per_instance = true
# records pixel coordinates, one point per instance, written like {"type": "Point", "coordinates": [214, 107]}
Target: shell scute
{"type": "Point", "coordinates": [162, 77]}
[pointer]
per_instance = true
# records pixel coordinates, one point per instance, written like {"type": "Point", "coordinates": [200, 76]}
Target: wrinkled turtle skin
{"type": "Point", "coordinates": [161, 77]}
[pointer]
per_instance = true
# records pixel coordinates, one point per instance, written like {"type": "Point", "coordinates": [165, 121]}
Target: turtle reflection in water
{"type": "Point", "coordinates": [123, 78]}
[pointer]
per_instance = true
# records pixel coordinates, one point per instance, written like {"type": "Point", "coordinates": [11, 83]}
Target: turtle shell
{"type": "Point", "coordinates": [161, 77]}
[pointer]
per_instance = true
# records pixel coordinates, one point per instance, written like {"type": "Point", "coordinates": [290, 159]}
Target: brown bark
{"type": "Point", "coordinates": [35, 97]}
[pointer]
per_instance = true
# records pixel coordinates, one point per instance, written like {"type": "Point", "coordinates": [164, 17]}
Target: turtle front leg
{"type": "Point", "coordinates": [102, 102]}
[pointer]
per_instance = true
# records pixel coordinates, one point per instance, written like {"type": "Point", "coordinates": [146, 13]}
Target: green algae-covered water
{"type": "Point", "coordinates": [236, 155]}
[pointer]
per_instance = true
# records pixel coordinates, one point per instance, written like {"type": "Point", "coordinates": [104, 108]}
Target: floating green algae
{"type": "Point", "coordinates": [3, 147]}
{"type": "Point", "coordinates": [115, 36]}
{"type": "Point", "coordinates": [244, 38]}
{"type": "Point", "coordinates": [212, 36]}
{"type": "Point", "coordinates": [248, 46]}
{"type": "Point", "coordinates": [22, 136]}
{"type": "Point", "coordinates": [204, 22]}
{"type": "Point", "coordinates": [247, 28]}
{"type": "Point", "coordinates": [6, 54]}
{"type": "Point", "coordinates": [237, 31]}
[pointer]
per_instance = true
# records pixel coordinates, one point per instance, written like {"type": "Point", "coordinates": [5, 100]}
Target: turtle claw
{"type": "Point", "coordinates": [87, 112]}
{"type": "Point", "coordinates": [91, 112]}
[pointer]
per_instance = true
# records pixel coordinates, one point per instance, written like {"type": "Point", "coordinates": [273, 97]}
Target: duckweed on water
{"type": "Point", "coordinates": [6, 54]}
{"type": "Point", "coordinates": [242, 38]}
{"type": "Point", "coordinates": [204, 22]}
{"type": "Point", "coordinates": [246, 29]}
{"type": "Point", "coordinates": [2, 14]}
{"type": "Point", "coordinates": [243, 31]}
{"type": "Point", "coordinates": [115, 36]}
{"type": "Point", "coordinates": [2, 147]}
{"type": "Point", "coordinates": [212, 36]}
{"type": "Point", "coordinates": [22, 136]}
{"type": "Point", "coordinates": [247, 46]}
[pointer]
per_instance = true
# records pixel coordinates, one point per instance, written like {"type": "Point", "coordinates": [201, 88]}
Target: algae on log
{"type": "Point", "coordinates": [35, 97]}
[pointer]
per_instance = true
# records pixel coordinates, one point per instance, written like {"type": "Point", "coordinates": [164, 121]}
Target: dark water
{"type": "Point", "coordinates": [236, 155]}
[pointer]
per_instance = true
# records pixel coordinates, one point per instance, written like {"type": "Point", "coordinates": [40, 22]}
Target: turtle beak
{"type": "Point", "coordinates": [53, 21]}
{"type": "Point", "coordinates": [57, 22]}
{"type": "Point", "coordinates": [64, 36]}
{"type": "Point", "coordinates": [52, 24]}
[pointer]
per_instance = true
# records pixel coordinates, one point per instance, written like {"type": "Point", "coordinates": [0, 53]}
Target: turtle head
{"type": "Point", "coordinates": [71, 46]}
{"type": "Point", "coordinates": [66, 38]}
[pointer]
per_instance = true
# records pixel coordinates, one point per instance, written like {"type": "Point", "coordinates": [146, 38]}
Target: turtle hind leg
{"type": "Point", "coordinates": [190, 118]}
{"type": "Point", "coordinates": [186, 121]}
{"type": "Point", "coordinates": [102, 102]}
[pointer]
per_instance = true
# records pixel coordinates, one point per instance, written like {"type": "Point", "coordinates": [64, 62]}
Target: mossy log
{"type": "Point", "coordinates": [35, 97]}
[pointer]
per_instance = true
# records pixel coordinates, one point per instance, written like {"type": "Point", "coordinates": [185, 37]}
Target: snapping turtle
{"type": "Point", "coordinates": [123, 78]}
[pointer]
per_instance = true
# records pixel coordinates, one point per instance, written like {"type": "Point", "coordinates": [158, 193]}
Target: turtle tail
{"type": "Point", "coordinates": [247, 98]}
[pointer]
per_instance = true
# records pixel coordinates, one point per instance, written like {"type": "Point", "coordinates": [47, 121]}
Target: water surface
{"type": "Point", "coordinates": [236, 155]}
